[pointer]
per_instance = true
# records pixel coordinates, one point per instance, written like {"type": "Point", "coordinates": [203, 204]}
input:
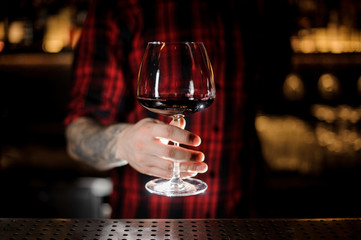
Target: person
{"type": "Point", "coordinates": [109, 130]}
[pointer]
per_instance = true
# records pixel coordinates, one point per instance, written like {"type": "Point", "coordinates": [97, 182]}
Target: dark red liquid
{"type": "Point", "coordinates": [169, 107]}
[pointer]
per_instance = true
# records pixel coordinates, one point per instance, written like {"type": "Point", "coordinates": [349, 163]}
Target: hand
{"type": "Point", "coordinates": [141, 146]}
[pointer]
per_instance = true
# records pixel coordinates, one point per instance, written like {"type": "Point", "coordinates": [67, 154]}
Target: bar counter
{"type": "Point", "coordinates": [210, 229]}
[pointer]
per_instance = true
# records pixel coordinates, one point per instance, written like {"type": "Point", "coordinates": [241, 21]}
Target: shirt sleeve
{"type": "Point", "coordinates": [98, 68]}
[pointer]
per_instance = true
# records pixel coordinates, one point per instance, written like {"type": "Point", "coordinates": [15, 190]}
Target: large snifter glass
{"type": "Point", "coordinates": [176, 79]}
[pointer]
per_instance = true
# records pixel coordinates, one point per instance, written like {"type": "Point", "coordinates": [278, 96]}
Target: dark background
{"type": "Point", "coordinates": [313, 162]}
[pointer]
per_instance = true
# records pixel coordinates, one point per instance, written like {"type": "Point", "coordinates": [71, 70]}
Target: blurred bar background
{"type": "Point", "coordinates": [310, 129]}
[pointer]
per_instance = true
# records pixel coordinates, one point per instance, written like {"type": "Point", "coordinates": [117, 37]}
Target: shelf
{"type": "Point", "coordinates": [32, 59]}
{"type": "Point", "coordinates": [326, 59]}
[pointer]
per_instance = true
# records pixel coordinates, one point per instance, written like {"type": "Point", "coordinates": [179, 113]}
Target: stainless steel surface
{"type": "Point", "coordinates": [107, 229]}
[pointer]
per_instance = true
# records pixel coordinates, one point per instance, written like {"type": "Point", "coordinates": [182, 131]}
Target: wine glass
{"type": "Point", "coordinates": [175, 79]}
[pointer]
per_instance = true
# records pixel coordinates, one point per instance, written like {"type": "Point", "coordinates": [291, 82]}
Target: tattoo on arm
{"type": "Point", "coordinates": [94, 144]}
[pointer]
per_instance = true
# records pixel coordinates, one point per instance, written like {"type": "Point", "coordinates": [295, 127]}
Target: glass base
{"type": "Point", "coordinates": [188, 187]}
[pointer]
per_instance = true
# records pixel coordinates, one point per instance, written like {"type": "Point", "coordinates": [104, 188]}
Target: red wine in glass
{"type": "Point", "coordinates": [170, 107]}
{"type": "Point", "coordinates": [176, 79]}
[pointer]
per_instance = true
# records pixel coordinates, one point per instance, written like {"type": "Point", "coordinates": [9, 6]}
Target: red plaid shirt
{"type": "Point", "coordinates": [107, 60]}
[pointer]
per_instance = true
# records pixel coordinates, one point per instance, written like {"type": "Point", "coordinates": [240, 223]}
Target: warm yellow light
{"type": "Point", "coordinates": [53, 45]}
{"type": "Point", "coordinates": [2, 30]}
{"type": "Point", "coordinates": [321, 40]}
{"type": "Point", "coordinates": [57, 35]}
{"type": "Point", "coordinates": [16, 32]}
{"type": "Point", "coordinates": [328, 86]}
{"type": "Point", "coordinates": [324, 113]}
{"type": "Point", "coordinates": [334, 39]}
{"type": "Point", "coordinates": [288, 143]}
{"type": "Point", "coordinates": [293, 87]}
{"type": "Point", "coordinates": [357, 144]}
{"type": "Point", "coordinates": [307, 41]}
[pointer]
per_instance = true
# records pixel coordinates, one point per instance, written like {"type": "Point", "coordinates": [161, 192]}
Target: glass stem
{"type": "Point", "coordinates": [176, 182]}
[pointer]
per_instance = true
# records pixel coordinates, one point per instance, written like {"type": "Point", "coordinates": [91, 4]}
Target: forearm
{"type": "Point", "coordinates": [94, 144]}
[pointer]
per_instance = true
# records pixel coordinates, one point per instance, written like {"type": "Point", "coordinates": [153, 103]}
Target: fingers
{"type": "Point", "coordinates": [175, 153]}
{"type": "Point", "coordinates": [147, 150]}
{"type": "Point", "coordinates": [158, 167]}
{"type": "Point", "coordinates": [176, 134]}
{"type": "Point", "coordinates": [159, 161]}
{"type": "Point", "coordinates": [199, 167]}
{"type": "Point", "coordinates": [158, 129]}
{"type": "Point", "coordinates": [165, 169]}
